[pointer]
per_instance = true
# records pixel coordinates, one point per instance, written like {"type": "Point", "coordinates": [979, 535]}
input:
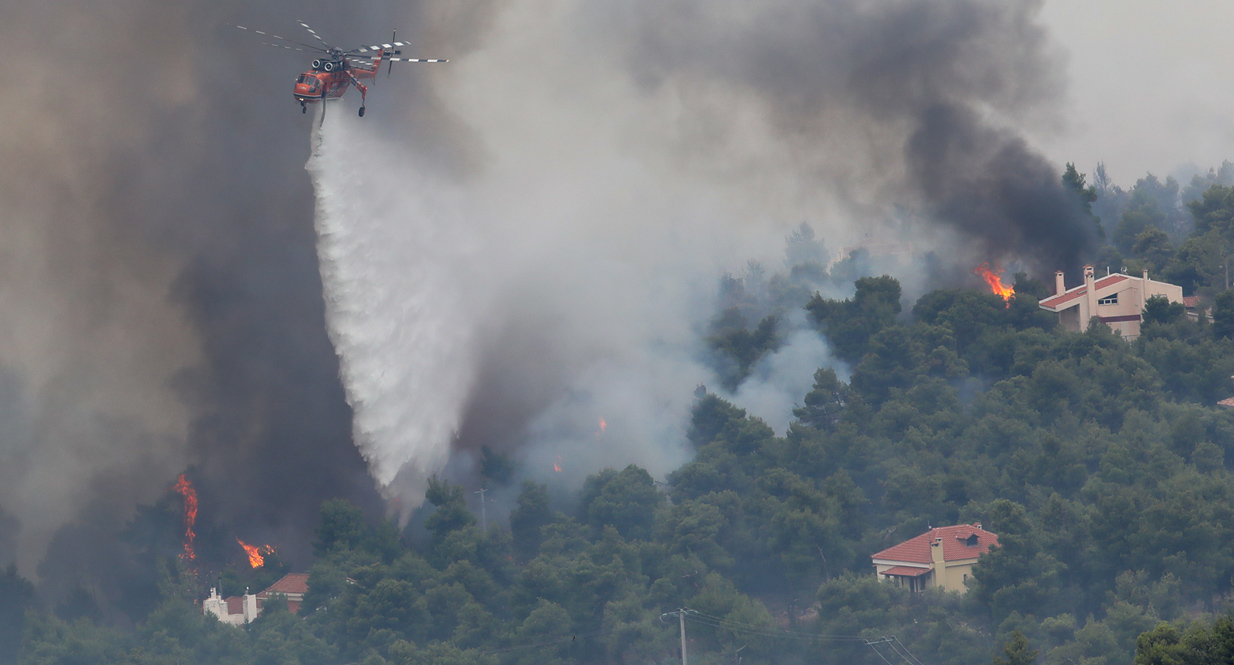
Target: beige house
{"type": "Point", "coordinates": [943, 556]}
{"type": "Point", "coordinates": [1117, 300]}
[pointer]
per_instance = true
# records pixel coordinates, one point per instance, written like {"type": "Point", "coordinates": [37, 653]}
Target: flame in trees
{"type": "Point", "coordinates": [993, 278]}
{"type": "Point", "coordinates": [557, 464]}
{"type": "Point", "coordinates": [257, 553]}
{"type": "Point", "coordinates": [185, 489]}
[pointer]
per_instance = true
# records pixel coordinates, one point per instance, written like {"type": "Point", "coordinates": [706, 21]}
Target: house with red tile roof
{"type": "Point", "coordinates": [1117, 300]}
{"type": "Point", "coordinates": [293, 586]}
{"type": "Point", "coordinates": [943, 556]}
{"type": "Point", "coordinates": [239, 610]}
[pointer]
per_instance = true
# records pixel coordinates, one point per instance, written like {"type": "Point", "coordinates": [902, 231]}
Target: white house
{"type": "Point", "coordinates": [239, 610]}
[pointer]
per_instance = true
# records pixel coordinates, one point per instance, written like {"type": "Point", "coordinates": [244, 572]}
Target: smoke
{"type": "Point", "coordinates": [514, 245]}
{"type": "Point", "coordinates": [782, 378]}
{"type": "Point", "coordinates": [159, 282]}
{"type": "Point", "coordinates": [614, 159]}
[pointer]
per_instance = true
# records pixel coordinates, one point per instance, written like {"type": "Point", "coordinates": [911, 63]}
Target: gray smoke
{"type": "Point", "coordinates": [618, 156]}
{"type": "Point", "coordinates": [609, 159]}
{"type": "Point", "coordinates": [159, 281]}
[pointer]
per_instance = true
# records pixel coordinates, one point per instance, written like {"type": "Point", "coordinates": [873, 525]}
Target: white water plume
{"type": "Point", "coordinates": [393, 267]}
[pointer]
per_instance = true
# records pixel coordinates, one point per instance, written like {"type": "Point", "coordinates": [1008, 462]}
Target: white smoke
{"type": "Point", "coordinates": [557, 262]}
{"type": "Point", "coordinates": [597, 292]}
{"type": "Point", "coordinates": [779, 381]}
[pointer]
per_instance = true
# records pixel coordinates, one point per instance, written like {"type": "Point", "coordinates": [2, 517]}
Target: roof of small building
{"type": "Point", "coordinates": [954, 542]}
{"type": "Point", "coordinates": [291, 583]}
{"type": "Point", "coordinates": [1072, 296]}
{"type": "Point", "coordinates": [235, 605]}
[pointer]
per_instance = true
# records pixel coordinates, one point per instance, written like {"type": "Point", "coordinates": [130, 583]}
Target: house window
{"type": "Point", "coordinates": [1109, 300]}
{"type": "Point", "coordinates": [971, 541]}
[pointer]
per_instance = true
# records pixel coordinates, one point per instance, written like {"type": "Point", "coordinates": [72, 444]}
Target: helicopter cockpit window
{"type": "Point", "coordinates": [303, 79]}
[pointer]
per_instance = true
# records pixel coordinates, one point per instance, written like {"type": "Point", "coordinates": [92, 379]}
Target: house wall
{"type": "Point", "coordinates": [953, 574]}
{"type": "Point", "coordinates": [948, 574]}
{"type": "Point", "coordinates": [1070, 319]}
{"type": "Point", "coordinates": [1123, 316]}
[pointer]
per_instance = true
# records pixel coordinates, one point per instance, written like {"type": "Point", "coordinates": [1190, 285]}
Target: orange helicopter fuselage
{"type": "Point", "coordinates": [331, 79]}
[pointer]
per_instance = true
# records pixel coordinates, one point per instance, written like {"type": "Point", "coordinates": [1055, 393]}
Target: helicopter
{"type": "Point", "coordinates": [335, 70]}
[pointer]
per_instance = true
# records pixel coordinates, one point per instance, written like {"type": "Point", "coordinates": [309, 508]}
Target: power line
{"type": "Point", "coordinates": [872, 643]}
{"type": "Point", "coordinates": [594, 633]}
{"type": "Point", "coordinates": [721, 622]}
{"type": "Point", "coordinates": [891, 643]}
{"type": "Point", "coordinates": [910, 654]}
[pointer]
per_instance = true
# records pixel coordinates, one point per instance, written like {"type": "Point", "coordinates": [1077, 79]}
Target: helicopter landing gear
{"type": "Point", "coordinates": [303, 108]}
{"type": "Point", "coordinates": [361, 111]}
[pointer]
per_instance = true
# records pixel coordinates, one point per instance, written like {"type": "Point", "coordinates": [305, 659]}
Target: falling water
{"type": "Point", "coordinates": [393, 278]}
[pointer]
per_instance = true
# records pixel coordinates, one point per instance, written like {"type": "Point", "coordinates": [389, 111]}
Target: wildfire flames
{"type": "Point", "coordinates": [257, 553]}
{"type": "Point", "coordinates": [993, 278]}
{"type": "Point", "coordinates": [185, 489]}
{"type": "Point", "coordinates": [557, 464]}
{"type": "Point", "coordinates": [603, 425]}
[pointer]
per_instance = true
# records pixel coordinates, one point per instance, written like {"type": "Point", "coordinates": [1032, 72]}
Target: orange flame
{"type": "Point", "coordinates": [257, 553]}
{"type": "Point", "coordinates": [185, 488]}
{"type": "Point", "coordinates": [603, 425]}
{"type": "Point", "coordinates": [992, 277]}
{"type": "Point", "coordinates": [557, 464]}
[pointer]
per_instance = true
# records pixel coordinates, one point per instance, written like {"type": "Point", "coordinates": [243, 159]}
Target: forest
{"type": "Point", "coordinates": [1104, 466]}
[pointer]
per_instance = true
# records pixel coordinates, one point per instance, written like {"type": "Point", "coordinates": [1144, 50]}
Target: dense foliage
{"type": "Point", "coordinates": [1101, 464]}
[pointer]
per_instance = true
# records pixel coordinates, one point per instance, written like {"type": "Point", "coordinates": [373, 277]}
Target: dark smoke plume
{"type": "Point", "coordinates": [162, 302]}
{"type": "Point", "coordinates": [917, 102]}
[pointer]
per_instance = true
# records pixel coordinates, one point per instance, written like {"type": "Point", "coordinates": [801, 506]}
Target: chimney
{"type": "Point", "coordinates": [1146, 274]}
{"type": "Point", "coordinates": [1090, 297]}
{"type": "Point", "coordinates": [1060, 285]}
{"type": "Point", "coordinates": [936, 555]}
{"type": "Point", "coordinates": [250, 607]}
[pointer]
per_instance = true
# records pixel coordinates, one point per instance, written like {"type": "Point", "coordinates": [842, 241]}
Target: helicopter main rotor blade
{"type": "Point", "coordinates": [417, 60]}
{"type": "Point", "coordinates": [315, 35]}
{"type": "Point", "coordinates": [284, 39]}
{"type": "Point", "coordinates": [289, 48]}
{"type": "Point", "coordinates": [378, 47]}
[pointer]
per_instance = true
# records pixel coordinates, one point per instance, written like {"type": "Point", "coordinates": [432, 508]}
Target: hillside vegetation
{"type": "Point", "coordinates": [1102, 465]}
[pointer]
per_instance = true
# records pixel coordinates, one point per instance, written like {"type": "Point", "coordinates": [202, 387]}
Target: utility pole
{"type": "Point", "coordinates": [483, 512]}
{"type": "Point", "coordinates": [681, 621]}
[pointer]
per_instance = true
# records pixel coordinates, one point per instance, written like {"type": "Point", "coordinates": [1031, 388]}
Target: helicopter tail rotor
{"type": "Point", "coordinates": [390, 65]}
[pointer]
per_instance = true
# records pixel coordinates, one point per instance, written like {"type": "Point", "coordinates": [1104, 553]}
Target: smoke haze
{"type": "Point", "coordinates": [514, 245]}
{"type": "Point", "coordinates": [619, 157]}
{"type": "Point", "coordinates": [159, 281]}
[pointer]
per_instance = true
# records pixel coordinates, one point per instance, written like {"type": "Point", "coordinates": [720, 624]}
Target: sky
{"type": "Point", "coordinates": [1150, 85]}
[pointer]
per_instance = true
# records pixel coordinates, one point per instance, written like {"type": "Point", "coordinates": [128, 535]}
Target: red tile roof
{"type": "Point", "coordinates": [905, 571]}
{"type": "Point", "coordinates": [955, 547]}
{"type": "Point", "coordinates": [235, 605]}
{"type": "Point", "coordinates": [1065, 298]}
{"type": "Point", "coordinates": [291, 583]}
{"type": "Point", "coordinates": [1191, 302]}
